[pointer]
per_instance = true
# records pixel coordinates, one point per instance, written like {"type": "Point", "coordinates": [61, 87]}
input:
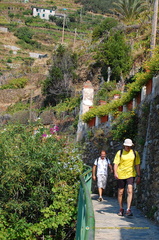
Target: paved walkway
{"type": "Point", "coordinates": [109, 226]}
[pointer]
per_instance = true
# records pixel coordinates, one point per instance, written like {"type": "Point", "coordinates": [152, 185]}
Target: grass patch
{"type": "Point", "coordinates": [15, 83]}
{"type": "Point", "coordinates": [17, 107]}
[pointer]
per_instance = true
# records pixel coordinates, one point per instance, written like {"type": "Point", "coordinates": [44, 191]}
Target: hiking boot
{"type": "Point", "coordinates": [129, 213]}
{"type": "Point", "coordinates": [121, 212]}
{"type": "Point", "coordinates": [100, 199]}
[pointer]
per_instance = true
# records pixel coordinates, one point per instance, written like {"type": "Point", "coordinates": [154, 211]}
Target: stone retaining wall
{"type": "Point", "coordinates": [147, 197]}
{"type": "Point", "coordinates": [11, 95]}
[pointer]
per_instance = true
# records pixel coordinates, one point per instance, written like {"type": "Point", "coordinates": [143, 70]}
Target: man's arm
{"type": "Point", "coordinates": [111, 168]}
{"type": "Point", "coordinates": [138, 173]}
{"type": "Point", "coordinates": [115, 171]}
{"type": "Point", "coordinates": [94, 172]}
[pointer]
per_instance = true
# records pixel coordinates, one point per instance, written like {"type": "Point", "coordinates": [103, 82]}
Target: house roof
{"type": "Point", "coordinates": [43, 8]}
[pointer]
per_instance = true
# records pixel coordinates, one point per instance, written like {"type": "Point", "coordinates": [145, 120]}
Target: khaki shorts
{"type": "Point", "coordinates": [102, 181]}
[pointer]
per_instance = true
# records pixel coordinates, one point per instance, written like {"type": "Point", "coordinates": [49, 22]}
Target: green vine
{"type": "Point", "coordinates": [123, 126]}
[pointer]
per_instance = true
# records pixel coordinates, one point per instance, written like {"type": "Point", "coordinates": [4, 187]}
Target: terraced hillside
{"type": "Point", "coordinates": [27, 43]}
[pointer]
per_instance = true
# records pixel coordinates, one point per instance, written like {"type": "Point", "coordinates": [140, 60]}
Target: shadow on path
{"type": "Point", "coordinates": [110, 226]}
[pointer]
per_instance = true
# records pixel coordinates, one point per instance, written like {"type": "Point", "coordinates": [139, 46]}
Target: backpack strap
{"type": "Point", "coordinates": [134, 154]}
{"type": "Point", "coordinates": [121, 151]}
{"type": "Point", "coordinates": [105, 158]}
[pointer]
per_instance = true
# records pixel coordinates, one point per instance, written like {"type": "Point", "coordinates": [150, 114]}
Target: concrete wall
{"type": "Point", "coordinates": [86, 103]}
{"type": "Point", "coordinates": [3, 29]}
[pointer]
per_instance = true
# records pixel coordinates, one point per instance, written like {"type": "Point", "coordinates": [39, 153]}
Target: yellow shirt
{"type": "Point", "coordinates": [126, 163]}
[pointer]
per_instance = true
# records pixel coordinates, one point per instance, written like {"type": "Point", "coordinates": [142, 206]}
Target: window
{"type": "Point", "coordinates": [37, 9]}
{"type": "Point", "coordinates": [51, 11]}
{"type": "Point", "coordinates": [43, 10]}
{"type": "Point", "coordinates": [38, 14]}
{"type": "Point", "coordinates": [43, 15]}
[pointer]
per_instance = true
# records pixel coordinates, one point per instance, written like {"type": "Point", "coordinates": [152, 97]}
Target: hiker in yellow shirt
{"type": "Point", "coordinates": [126, 165]}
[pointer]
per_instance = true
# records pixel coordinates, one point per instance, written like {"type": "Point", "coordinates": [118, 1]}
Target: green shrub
{"type": "Point", "coordinates": [24, 33]}
{"type": "Point", "coordinates": [11, 15]}
{"type": "Point", "coordinates": [39, 184]}
{"type": "Point", "coordinates": [12, 27]}
{"type": "Point", "coordinates": [28, 21]}
{"type": "Point", "coordinates": [9, 60]}
{"type": "Point", "coordinates": [15, 83]}
{"type": "Point", "coordinates": [27, 12]}
{"type": "Point", "coordinates": [123, 126]}
{"type": "Point", "coordinates": [31, 44]}
{"type": "Point", "coordinates": [67, 105]}
{"type": "Point", "coordinates": [104, 91]}
{"type": "Point", "coordinates": [17, 107]}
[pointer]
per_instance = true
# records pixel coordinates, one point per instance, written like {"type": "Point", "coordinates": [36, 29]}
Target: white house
{"type": "Point", "coordinates": [43, 13]}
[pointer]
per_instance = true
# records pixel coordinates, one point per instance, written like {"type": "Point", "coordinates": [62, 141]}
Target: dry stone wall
{"type": "Point", "coordinates": [147, 197]}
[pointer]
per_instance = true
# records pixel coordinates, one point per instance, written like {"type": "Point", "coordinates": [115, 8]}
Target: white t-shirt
{"type": "Point", "coordinates": [102, 165]}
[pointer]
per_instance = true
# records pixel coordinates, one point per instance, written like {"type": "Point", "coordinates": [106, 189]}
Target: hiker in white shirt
{"type": "Point", "coordinates": [100, 172]}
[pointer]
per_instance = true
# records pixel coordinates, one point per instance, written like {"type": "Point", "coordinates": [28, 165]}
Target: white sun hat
{"type": "Point", "coordinates": [128, 142]}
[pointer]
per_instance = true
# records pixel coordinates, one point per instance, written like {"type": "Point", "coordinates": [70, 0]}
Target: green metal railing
{"type": "Point", "coordinates": [85, 229]}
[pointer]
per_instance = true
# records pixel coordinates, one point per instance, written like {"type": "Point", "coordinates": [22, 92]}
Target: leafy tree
{"type": "Point", "coordinates": [104, 28]}
{"type": "Point", "coordinates": [39, 184]}
{"type": "Point", "coordinates": [57, 86]}
{"type": "Point", "coordinates": [53, 83]}
{"type": "Point", "coordinates": [104, 90]}
{"type": "Point", "coordinates": [52, 18]}
{"type": "Point", "coordinates": [72, 17]}
{"type": "Point", "coordinates": [59, 22]}
{"type": "Point", "coordinates": [130, 9]}
{"type": "Point", "coordinates": [116, 53]}
{"type": "Point", "coordinates": [54, 7]}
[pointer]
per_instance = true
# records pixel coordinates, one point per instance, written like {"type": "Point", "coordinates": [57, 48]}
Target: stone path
{"type": "Point", "coordinates": [109, 226]}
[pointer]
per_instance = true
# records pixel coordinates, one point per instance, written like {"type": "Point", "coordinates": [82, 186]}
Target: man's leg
{"type": "Point", "coordinates": [121, 186]}
{"type": "Point", "coordinates": [120, 197]}
{"type": "Point", "coordinates": [130, 183]}
{"type": "Point", "coordinates": [129, 196]}
{"type": "Point", "coordinates": [103, 185]}
{"type": "Point", "coordinates": [100, 191]}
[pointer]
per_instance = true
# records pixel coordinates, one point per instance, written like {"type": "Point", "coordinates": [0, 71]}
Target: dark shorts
{"type": "Point", "coordinates": [123, 182]}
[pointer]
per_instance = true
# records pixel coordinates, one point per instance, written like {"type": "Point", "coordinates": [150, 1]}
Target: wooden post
{"type": "Point", "coordinates": [63, 29]}
{"type": "Point", "coordinates": [31, 100]}
{"type": "Point", "coordinates": [74, 39]}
